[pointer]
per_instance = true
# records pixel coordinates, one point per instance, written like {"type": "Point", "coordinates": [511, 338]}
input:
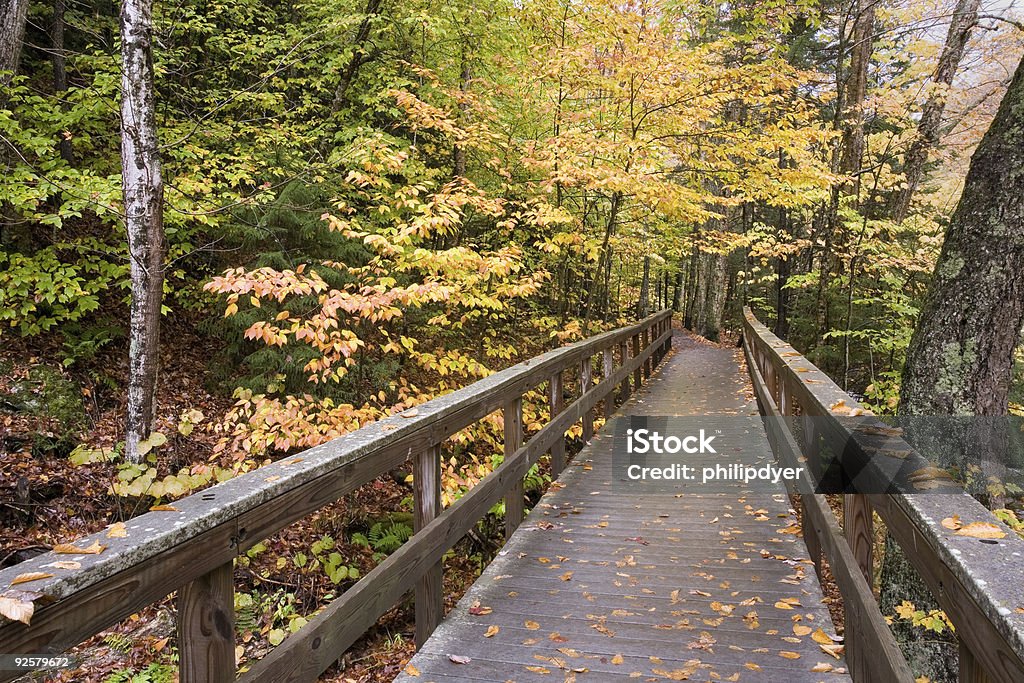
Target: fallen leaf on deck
{"type": "Point", "coordinates": [491, 631]}
{"type": "Point", "coordinates": [71, 549]}
{"type": "Point", "coordinates": [117, 531]}
{"type": "Point", "coordinates": [801, 630]}
{"type": "Point", "coordinates": [822, 668]}
{"type": "Point", "coordinates": [531, 625]}
{"type": "Point", "coordinates": [412, 670]}
{"type": "Point", "coordinates": [618, 659]}
{"type": "Point", "coordinates": [981, 530]}
{"type": "Point", "coordinates": [64, 565]}
{"type": "Point", "coordinates": [17, 609]}
{"type": "Point", "coordinates": [822, 638]}
{"type": "Point", "coordinates": [163, 508]}
{"type": "Point", "coordinates": [30, 576]}
{"type": "Point", "coordinates": [459, 659]}
{"type": "Point", "coordinates": [413, 412]}
{"type": "Point", "coordinates": [789, 655]}
{"type": "Point", "coordinates": [952, 523]}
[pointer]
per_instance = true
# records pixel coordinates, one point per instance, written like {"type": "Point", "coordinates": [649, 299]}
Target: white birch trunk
{"type": "Point", "coordinates": [143, 207]}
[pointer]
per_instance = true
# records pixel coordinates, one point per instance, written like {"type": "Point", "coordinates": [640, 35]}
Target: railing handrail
{"type": "Point", "coordinates": [163, 551]}
{"type": "Point", "coordinates": [981, 597]}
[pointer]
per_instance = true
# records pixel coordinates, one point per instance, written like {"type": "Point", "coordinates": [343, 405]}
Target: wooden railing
{"type": "Point", "coordinates": [978, 583]}
{"type": "Point", "coordinates": [190, 548]}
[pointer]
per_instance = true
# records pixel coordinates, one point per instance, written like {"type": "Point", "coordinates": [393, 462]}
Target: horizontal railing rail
{"type": "Point", "coordinates": [977, 583]}
{"type": "Point", "coordinates": [191, 545]}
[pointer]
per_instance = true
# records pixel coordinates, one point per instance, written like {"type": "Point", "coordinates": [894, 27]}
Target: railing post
{"type": "Point", "coordinates": [586, 379]}
{"type": "Point", "coordinates": [858, 527]}
{"type": "Point", "coordinates": [607, 368]}
{"type": "Point", "coordinates": [556, 399]}
{"type": "Point", "coordinates": [638, 372]}
{"type": "Point", "coordinates": [426, 481]}
{"type": "Point", "coordinates": [647, 361]}
{"type": "Point", "coordinates": [513, 440]}
{"type": "Point", "coordinates": [970, 668]}
{"type": "Point", "coordinates": [624, 392]}
{"type": "Point", "coordinates": [206, 628]}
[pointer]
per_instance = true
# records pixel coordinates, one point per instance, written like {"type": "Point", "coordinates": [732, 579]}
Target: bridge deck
{"type": "Point", "coordinates": [602, 583]}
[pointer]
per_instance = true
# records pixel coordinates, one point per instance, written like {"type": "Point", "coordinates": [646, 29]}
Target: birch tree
{"type": "Point", "coordinates": [142, 187]}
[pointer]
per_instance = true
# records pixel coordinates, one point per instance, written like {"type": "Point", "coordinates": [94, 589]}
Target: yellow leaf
{"type": "Point", "coordinates": [163, 508]}
{"type": "Point", "coordinates": [70, 549]}
{"type": "Point", "coordinates": [821, 638]}
{"type": "Point", "coordinates": [752, 666]}
{"type": "Point", "coordinates": [822, 668]}
{"type": "Point", "coordinates": [981, 530]}
{"type": "Point", "coordinates": [30, 576]}
{"type": "Point", "coordinates": [412, 670]}
{"type": "Point", "coordinates": [538, 669]}
{"type": "Point", "coordinates": [65, 565]}
{"type": "Point", "coordinates": [783, 605]}
{"type": "Point", "coordinates": [531, 625]}
{"type": "Point", "coordinates": [801, 630]}
{"type": "Point", "coordinates": [789, 655]}
{"type": "Point", "coordinates": [17, 610]}
{"type": "Point", "coordinates": [618, 659]}
{"type": "Point", "coordinates": [491, 631]}
{"type": "Point", "coordinates": [566, 576]}
{"type": "Point", "coordinates": [117, 531]}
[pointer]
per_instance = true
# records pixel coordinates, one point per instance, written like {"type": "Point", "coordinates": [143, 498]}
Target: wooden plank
{"type": "Point", "coordinates": [206, 628]}
{"type": "Point", "coordinates": [513, 417]}
{"type": "Point", "coordinates": [586, 379]}
{"type": "Point", "coordinates": [427, 506]}
{"type": "Point", "coordinates": [556, 401]}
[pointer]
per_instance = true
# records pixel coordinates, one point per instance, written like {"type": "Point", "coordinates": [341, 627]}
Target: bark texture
{"type": "Point", "coordinates": [965, 17]}
{"type": "Point", "coordinates": [143, 191]}
{"type": "Point", "coordinates": [13, 14]}
{"type": "Point", "coordinates": [961, 354]}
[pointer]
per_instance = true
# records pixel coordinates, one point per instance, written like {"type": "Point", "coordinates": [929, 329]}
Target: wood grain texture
{"type": "Point", "coordinates": [206, 628]}
{"type": "Point", "coordinates": [586, 379]}
{"type": "Point", "coordinates": [556, 401]}
{"type": "Point", "coordinates": [427, 506]}
{"type": "Point", "coordinates": [513, 419]}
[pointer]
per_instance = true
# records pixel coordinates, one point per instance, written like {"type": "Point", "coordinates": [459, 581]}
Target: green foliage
{"type": "Point", "coordinates": [151, 673]}
{"type": "Point", "coordinates": [388, 536]}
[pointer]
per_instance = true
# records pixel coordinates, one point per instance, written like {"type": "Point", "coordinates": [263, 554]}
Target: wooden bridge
{"type": "Point", "coordinates": [599, 582]}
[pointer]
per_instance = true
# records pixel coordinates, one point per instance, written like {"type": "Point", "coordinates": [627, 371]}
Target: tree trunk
{"type": "Point", "coordinates": [359, 55]}
{"type": "Point", "coordinates": [13, 14]}
{"type": "Point", "coordinates": [712, 292]}
{"type": "Point", "coordinates": [965, 17]}
{"type": "Point", "coordinates": [645, 290]}
{"type": "Point", "coordinates": [857, 86]}
{"type": "Point", "coordinates": [143, 190]}
{"type": "Point", "coordinates": [60, 75]}
{"type": "Point", "coordinates": [961, 354]}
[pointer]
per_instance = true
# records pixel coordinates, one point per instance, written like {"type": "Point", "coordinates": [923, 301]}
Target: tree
{"type": "Point", "coordinates": [965, 16]}
{"type": "Point", "coordinates": [143, 191]}
{"type": "Point", "coordinates": [13, 14]}
{"type": "Point", "coordinates": [961, 354]}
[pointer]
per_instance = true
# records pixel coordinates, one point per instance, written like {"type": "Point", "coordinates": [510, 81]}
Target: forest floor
{"type": "Point", "coordinates": [45, 499]}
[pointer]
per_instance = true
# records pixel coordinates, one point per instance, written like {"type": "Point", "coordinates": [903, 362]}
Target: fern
{"type": "Point", "coordinates": [387, 537]}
